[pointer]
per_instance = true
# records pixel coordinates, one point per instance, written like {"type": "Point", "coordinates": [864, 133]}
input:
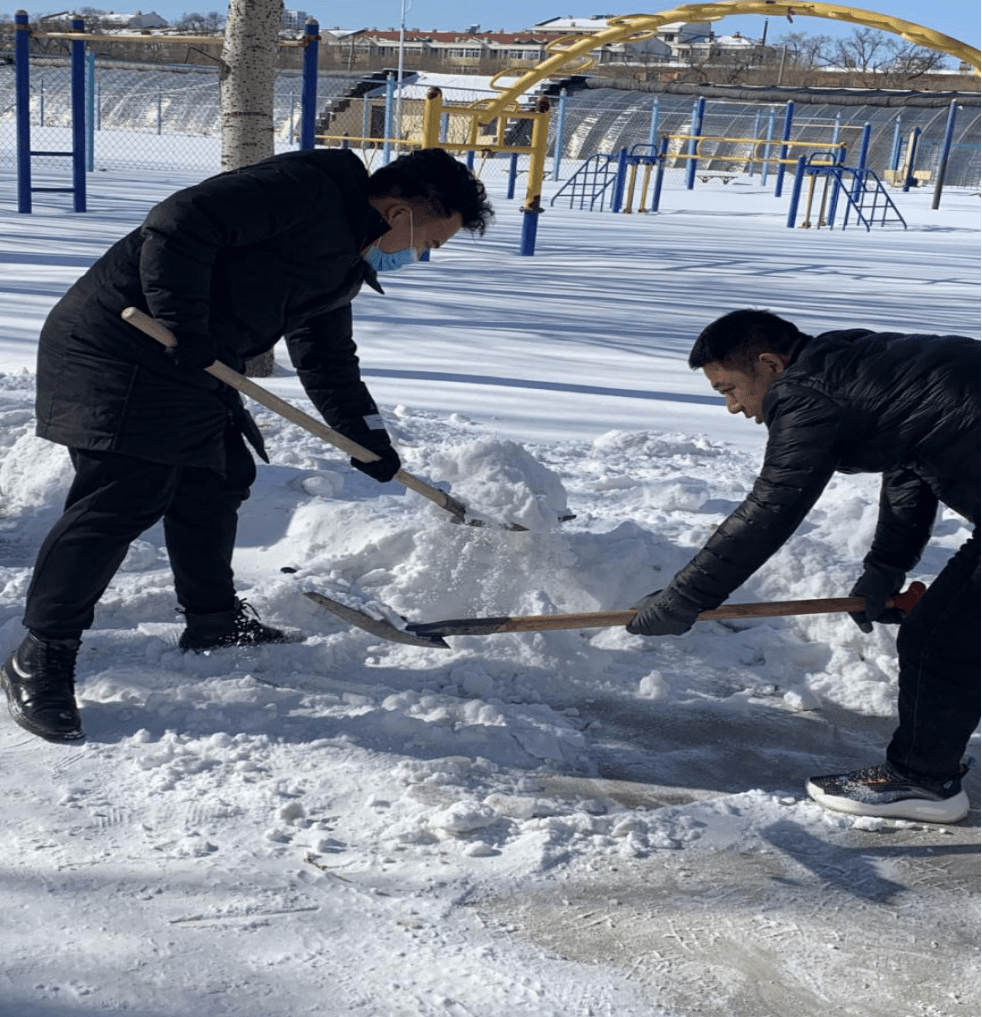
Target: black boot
{"type": "Point", "coordinates": [39, 679]}
{"type": "Point", "coordinates": [228, 628]}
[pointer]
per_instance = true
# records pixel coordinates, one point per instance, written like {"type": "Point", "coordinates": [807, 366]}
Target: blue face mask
{"type": "Point", "coordinates": [382, 261]}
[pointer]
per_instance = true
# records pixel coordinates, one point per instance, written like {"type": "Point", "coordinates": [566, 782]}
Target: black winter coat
{"type": "Point", "coordinates": [906, 406]}
{"type": "Point", "coordinates": [242, 259]}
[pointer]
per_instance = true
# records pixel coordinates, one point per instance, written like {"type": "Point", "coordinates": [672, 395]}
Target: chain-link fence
{"type": "Point", "coordinates": [151, 114]}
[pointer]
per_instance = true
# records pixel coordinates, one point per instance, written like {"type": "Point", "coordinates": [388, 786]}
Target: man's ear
{"type": "Point", "coordinates": [771, 363]}
{"type": "Point", "coordinates": [397, 211]}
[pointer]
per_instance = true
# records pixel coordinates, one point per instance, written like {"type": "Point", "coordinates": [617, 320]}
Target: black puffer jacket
{"type": "Point", "coordinates": [243, 258]}
{"type": "Point", "coordinates": [906, 406]}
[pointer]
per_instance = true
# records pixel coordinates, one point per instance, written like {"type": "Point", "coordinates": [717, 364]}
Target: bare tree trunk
{"type": "Point", "coordinates": [248, 72]}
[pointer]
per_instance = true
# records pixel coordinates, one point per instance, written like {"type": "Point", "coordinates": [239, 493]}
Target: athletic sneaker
{"type": "Point", "coordinates": [884, 791]}
{"type": "Point", "coordinates": [39, 679]}
{"type": "Point", "coordinates": [238, 627]}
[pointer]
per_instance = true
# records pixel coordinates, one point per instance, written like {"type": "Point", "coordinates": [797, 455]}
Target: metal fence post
{"type": "Point", "coordinates": [22, 87]}
{"type": "Point", "coordinates": [799, 177]}
{"type": "Point", "coordinates": [754, 149]}
{"type": "Point", "coordinates": [557, 151]}
{"type": "Point", "coordinates": [895, 151]}
{"type": "Point", "coordinates": [78, 116]}
{"type": "Point", "coordinates": [765, 162]}
{"type": "Point", "coordinates": [698, 113]}
{"type": "Point", "coordinates": [659, 174]}
{"type": "Point", "coordinates": [90, 112]}
{"type": "Point", "coordinates": [949, 134]}
{"type": "Point", "coordinates": [788, 119]}
{"type": "Point", "coordinates": [308, 87]}
{"type": "Point", "coordinates": [909, 177]}
{"type": "Point", "coordinates": [512, 174]}
{"type": "Point", "coordinates": [653, 123]}
{"type": "Point", "coordinates": [390, 92]}
{"type": "Point", "coordinates": [618, 198]}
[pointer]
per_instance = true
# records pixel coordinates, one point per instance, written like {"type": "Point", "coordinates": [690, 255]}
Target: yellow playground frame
{"type": "Point", "coordinates": [571, 55]}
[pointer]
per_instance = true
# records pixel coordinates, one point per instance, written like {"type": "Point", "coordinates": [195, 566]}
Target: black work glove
{"type": "Point", "coordinates": [877, 585]}
{"type": "Point", "coordinates": [384, 468]}
{"type": "Point", "coordinates": [193, 354]}
{"type": "Point", "coordinates": [661, 614]}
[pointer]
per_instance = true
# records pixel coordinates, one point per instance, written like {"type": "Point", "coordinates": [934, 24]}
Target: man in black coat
{"type": "Point", "coordinates": [905, 406]}
{"type": "Point", "coordinates": [231, 265]}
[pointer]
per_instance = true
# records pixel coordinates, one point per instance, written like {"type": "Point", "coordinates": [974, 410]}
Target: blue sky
{"type": "Point", "coordinates": [958, 18]}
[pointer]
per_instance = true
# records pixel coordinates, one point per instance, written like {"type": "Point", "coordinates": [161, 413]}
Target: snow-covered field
{"type": "Point", "coordinates": [564, 823]}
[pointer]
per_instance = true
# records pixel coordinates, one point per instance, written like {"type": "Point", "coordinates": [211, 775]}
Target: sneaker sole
{"type": "Point", "coordinates": [298, 638]}
{"type": "Point", "coordinates": [948, 810]}
{"type": "Point", "coordinates": [22, 721]}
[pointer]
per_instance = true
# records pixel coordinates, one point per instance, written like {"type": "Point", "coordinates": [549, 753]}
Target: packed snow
{"type": "Point", "coordinates": [562, 823]}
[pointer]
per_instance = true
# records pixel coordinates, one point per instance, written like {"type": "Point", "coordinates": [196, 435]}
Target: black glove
{"type": "Point", "coordinates": [193, 354]}
{"type": "Point", "coordinates": [877, 585]}
{"type": "Point", "coordinates": [661, 614]}
{"type": "Point", "coordinates": [384, 468]}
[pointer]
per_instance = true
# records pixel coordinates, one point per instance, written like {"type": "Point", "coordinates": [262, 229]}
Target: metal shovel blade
{"type": "Point", "coordinates": [377, 626]}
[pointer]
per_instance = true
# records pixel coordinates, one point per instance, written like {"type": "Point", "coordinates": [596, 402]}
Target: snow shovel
{"type": "Point", "coordinates": [296, 416]}
{"type": "Point", "coordinates": [432, 633]}
{"type": "Point", "coordinates": [601, 619]}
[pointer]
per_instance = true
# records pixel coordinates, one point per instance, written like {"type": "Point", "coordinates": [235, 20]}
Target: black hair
{"type": "Point", "coordinates": [437, 177]}
{"type": "Point", "coordinates": [738, 338]}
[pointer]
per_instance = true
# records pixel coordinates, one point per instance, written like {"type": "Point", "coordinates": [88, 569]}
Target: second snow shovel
{"type": "Point", "coordinates": [433, 633]}
{"type": "Point", "coordinates": [296, 416]}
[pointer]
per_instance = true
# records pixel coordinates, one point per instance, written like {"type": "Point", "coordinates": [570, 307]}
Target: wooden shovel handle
{"type": "Point", "coordinates": [603, 619]}
{"type": "Point", "coordinates": [246, 386]}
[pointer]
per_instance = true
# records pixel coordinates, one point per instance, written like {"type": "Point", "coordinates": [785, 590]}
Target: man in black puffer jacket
{"type": "Point", "coordinates": [905, 406]}
{"type": "Point", "coordinates": [231, 265]}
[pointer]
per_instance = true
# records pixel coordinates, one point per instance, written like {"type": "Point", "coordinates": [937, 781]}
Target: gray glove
{"type": "Point", "coordinates": [661, 614]}
{"type": "Point", "coordinates": [877, 585]}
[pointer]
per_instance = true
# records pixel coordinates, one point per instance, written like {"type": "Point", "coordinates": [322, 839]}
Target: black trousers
{"type": "Point", "coordinates": [938, 650]}
{"type": "Point", "coordinates": [113, 499]}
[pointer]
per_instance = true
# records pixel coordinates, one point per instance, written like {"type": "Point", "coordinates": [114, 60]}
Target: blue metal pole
{"type": "Point", "coordinates": [864, 146]}
{"type": "Point", "coordinates": [512, 174]}
{"type": "Point", "coordinates": [22, 87]}
{"type": "Point", "coordinates": [799, 176]}
{"type": "Point", "coordinates": [909, 177]}
{"type": "Point", "coordinates": [470, 160]}
{"type": "Point", "coordinates": [618, 198]}
{"type": "Point", "coordinates": [895, 151]}
{"type": "Point", "coordinates": [765, 172]}
{"type": "Point", "coordinates": [659, 174]}
{"type": "Point", "coordinates": [530, 226]}
{"type": "Point", "coordinates": [653, 125]}
{"type": "Point", "coordinates": [78, 116]}
{"type": "Point", "coordinates": [698, 112]}
{"type": "Point", "coordinates": [949, 134]}
{"type": "Point", "coordinates": [557, 152]}
{"type": "Point", "coordinates": [756, 129]}
{"type": "Point", "coordinates": [859, 180]}
{"type": "Point", "coordinates": [390, 91]}
{"type": "Point", "coordinates": [838, 184]}
{"type": "Point", "coordinates": [90, 113]}
{"type": "Point", "coordinates": [788, 119]}
{"type": "Point", "coordinates": [308, 87]}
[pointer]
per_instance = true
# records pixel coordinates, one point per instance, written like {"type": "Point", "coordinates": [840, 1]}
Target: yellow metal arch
{"type": "Point", "coordinates": [571, 54]}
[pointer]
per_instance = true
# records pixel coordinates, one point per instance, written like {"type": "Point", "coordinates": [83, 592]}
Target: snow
{"type": "Point", "coordinates": [555, 823]}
